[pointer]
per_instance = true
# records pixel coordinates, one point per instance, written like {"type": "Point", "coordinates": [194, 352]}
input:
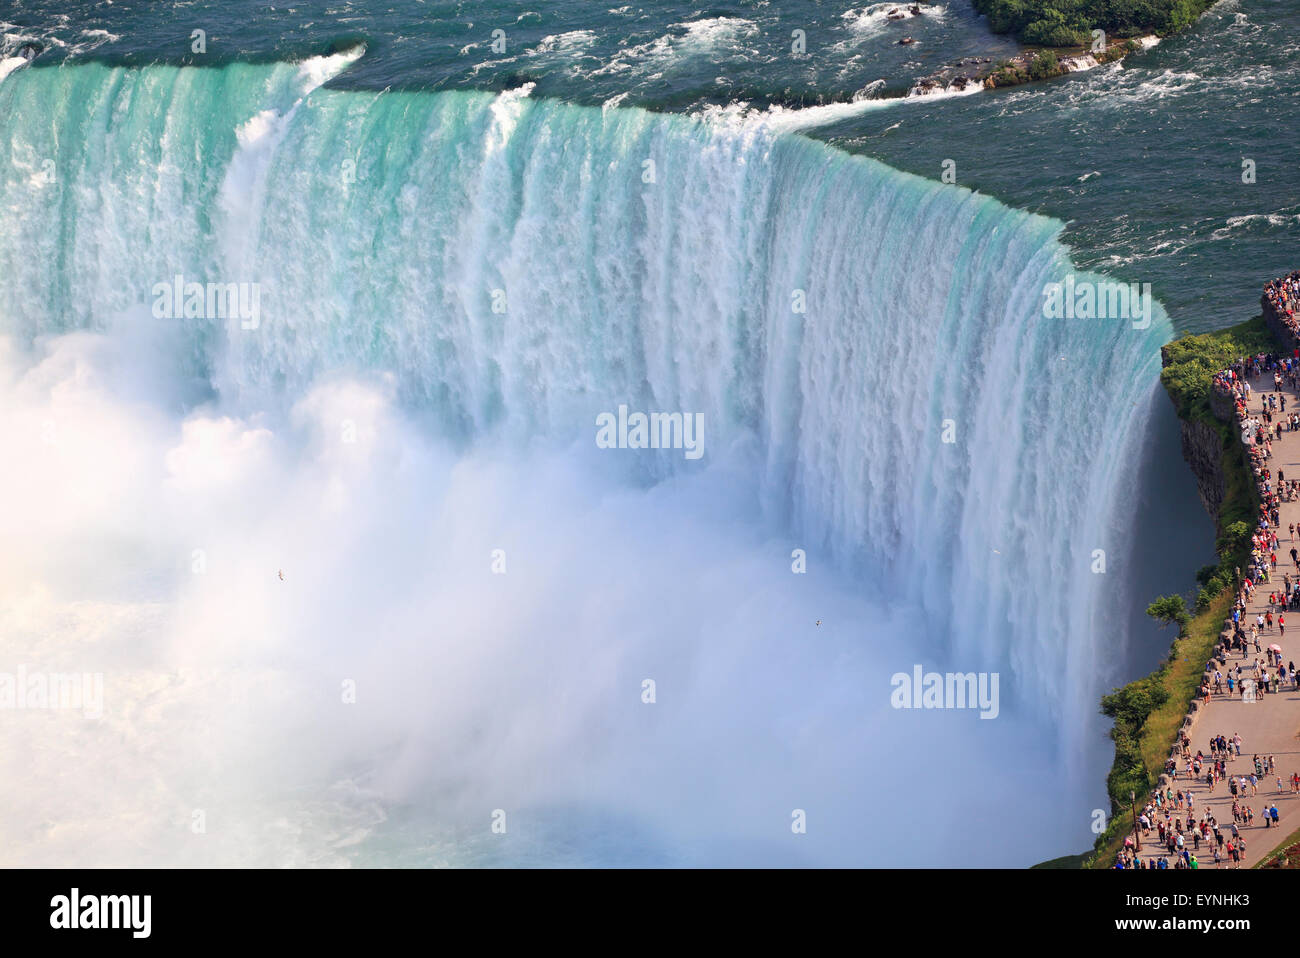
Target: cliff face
{"type": "Point", "coordinates": [1203, 450]}
{"type": "Point", "coordinates": [1275, 323]}
{"type": "Point", "coordinates": [1202, 444]}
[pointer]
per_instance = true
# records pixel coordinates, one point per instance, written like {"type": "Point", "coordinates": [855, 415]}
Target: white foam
{"type": "Point", "coordinates": [692, 39]}
{"type": "Point", "coordinates": [945, 93]}
{"type": "Point", "coordinates": [315, 72]}
{"type": "Point", "coordinates": [563, 44]}
{"type": "Point", "coordinates": [1080, 63]}
{"type": "Point", "coordinates": [617, 100]}
{"type": "Point", "coordinates": [10, 64]}
{"type": "Point", "coordinates": [870, 21]}
{"type": "Point", "coordinates": [507, 108]}
{"type": "Point", "coordinates": [1250, 220]}
{"type": "Point", "coordinates": [243, 188]}
{"type": "Point", "coordinates": [223, 687]}
{"type": "Point", "coordinates": [784, 119]}
{"type": "Point", "coordinates": [101, 35]}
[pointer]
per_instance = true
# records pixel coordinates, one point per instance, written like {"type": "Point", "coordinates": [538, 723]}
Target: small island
{"type": "Point", "coordinates": [1070, 23]}
{"type": "Point", "coordinates": [1062, 37]}
{"type": "Point", "coordinates": [1076, 35]}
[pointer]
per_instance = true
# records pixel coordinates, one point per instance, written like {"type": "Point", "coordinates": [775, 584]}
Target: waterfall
{"type": "Point", "coordinates": [876, 340]}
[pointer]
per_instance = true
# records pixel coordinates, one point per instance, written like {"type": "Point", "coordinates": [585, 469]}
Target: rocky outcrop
{"type": "Point", "coordinates": [1203, 450]}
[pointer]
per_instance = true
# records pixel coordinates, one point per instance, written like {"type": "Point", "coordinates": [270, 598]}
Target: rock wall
{"type": "Point", "coordinates": [1277, 326]}
{"type": "Point", "coordinates": [1203, 450]}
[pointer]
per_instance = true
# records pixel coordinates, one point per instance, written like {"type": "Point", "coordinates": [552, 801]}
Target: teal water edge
{"type": "Point", "coordinates": [467, 257]}
{"type": "Point", "coordinates": [1142, 160]}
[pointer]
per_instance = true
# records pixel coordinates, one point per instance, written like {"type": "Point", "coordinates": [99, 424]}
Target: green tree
{"type": "Point", "coordinates": [1235, 536]}
{"type": "Point", "coordinates": [1169, 610]}
{"type": "Point", "coordinates": [1069, 22]}
{"type": "Point", "coordinates": [1054, 30]}
{"type": "Point", "coordinates": [1044, 65]}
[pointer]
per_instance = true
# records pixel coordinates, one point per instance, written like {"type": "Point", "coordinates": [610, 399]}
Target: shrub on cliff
{"type": "Point", "coordinates": [1204, 597]}
{"type": "Point", "coordinates": [1130, 707]}
{"type": "Point", "coordinates": [1128, 775]}
{"type": "Point", "coordinates": [1214, 580]}
{"type": "Point", "coordinates": [1235, 536]}
{"type": "Point", "coordinates": [1192, 362]}
{"type": "Point", "coordinates": [1170, 609]}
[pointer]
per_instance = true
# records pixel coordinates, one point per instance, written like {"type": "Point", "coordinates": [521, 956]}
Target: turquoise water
{"type": "Point", "coordinates": [667, 55]}
{"type": "Point", "coordinates": [1142, 161]}
{"type": "Point", "coordinates": [467, 256]}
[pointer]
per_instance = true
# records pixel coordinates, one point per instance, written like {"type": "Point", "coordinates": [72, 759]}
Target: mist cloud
{"type": "Point", "coordinates": [147, 534]}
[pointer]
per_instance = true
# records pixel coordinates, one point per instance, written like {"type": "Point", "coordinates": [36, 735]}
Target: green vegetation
{"type": "Point", "coordinates": [1053, 30]}
{"type": "Point", "coordinates": [1065, 861]}
{"type": "Point", "coordinates": [1191, 362]}
{"type": "Point", "coordinates": [1130, 707]}
{"type": "Point", "coordinates": [1067, 23]}
{"type": "Point", "coordinates": [1148, 713]}
{"type": "Point", "coordinates": [1044, 65]}
{"type": "Point", "coordinates": [1143, 739]}
{"type": "Point", "coordinates": [1008, 74]}
{"type": "Point", "coordinates": [1168, 610]}
{"type": "Point", "coordinates": [1116, 50]}
{"type": "Point", "coordinates": [1285, 855]}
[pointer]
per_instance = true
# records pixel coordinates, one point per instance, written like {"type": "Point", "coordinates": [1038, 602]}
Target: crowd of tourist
{"type": "Point", "coordinates": [1283, 294]}
{"type": "Point", "coordinates": [1175, 820]}
{"type": "Point", "coordinates": [1170, 820]}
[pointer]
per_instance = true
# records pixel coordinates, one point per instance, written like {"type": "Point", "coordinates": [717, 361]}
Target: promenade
{"type": "Point", "coordinates": [1268, 727]}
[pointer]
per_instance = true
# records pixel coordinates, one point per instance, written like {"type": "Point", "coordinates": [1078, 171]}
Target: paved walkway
{"type": "Point", "coordinates": [1269, 726]}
